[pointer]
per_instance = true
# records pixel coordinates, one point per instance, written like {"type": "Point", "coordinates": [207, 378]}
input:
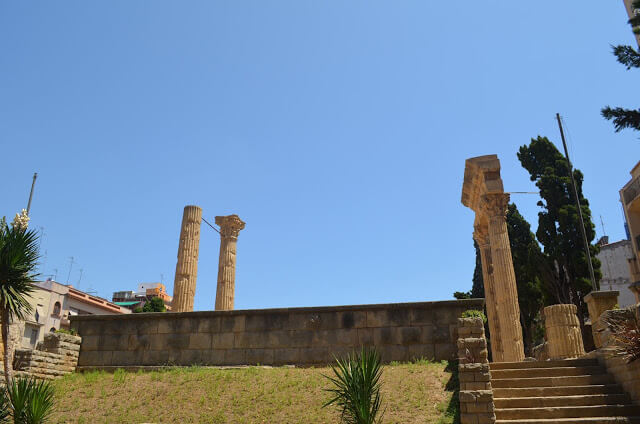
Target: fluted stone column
{"type": "Point", "coordinates": [598, 302]}
{"type": "Point", "coordinates": [504, 278]}
{"type": "Point", "coordinates": [230, 227]}
{"type": "Point", "coordinates": [482, 238]}
{"type": "Point", "coordinates": [184, 284]}
{"type": "Point", "coordinates": [564, 338]}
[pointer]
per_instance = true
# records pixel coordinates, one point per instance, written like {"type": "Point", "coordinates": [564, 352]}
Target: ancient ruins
{"type": "Point", "coordinates": [184, 286]}
{"type": "Point", "coordinates": [483, 192]}
{"type": "Point", "coordinates": [230, 227]}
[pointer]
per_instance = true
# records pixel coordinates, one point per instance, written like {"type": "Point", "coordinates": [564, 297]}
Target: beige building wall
{"type": "Point", "coordinates": [631, 12]}
{"type": "Point", "coordinates": [630, 198]}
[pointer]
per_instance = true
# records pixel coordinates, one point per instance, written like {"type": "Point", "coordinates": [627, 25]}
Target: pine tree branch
{"type": "Point", "coordinates": [622, 118]}
{"type": "Point", "coordinates": [627, 56]}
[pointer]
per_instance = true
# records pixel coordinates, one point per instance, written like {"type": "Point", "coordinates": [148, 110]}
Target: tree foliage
{"type": "Point", "coordinates": [623, 118]}
{"type": "Point", "coordinates": [154, 305]}
{"type": "Point", "coordinates": [564, 267]}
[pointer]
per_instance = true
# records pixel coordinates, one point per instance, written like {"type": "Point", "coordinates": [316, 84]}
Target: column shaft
{"type": "Point", "coordinates": [497, 352]}
{"type": "Point", "coordinates": [504, 279]}
{"type": "Point", "coordinates": [184, 285]}
{"type": "Point", "coordinates": [230, 227]}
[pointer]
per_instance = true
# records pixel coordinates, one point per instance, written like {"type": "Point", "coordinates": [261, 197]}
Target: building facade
{"type": "Point", "coordinates": [630, 198]}
{"type": "Point", "coordinates": [146, 291]}
{"type": "Point", "coordinates": [632, 12]}
{"type": "Point", "coordinates": [614, 258]}
{"type": "Point", "coordinates": [52, 304]}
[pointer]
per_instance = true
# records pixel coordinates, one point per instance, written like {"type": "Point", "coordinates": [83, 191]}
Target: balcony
{"type": "Point", "coordinates": [631, 191]}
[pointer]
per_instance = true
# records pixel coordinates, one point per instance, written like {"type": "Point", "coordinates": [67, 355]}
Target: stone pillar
{"type": "Point", "coordinates": [504, 278]}
{"type": "Point", "coordinates": [184, 284]}
{"type": "Point", "coordinates": [230, 227]}
{"type": "Point", "coordinates": [476, 395]}
{"type": "Point", "coordinates": [481, 236]}
{"type": "Point", "coordinates": [599, 302]}
{"type": "Point", "coordinates": [564, 338]}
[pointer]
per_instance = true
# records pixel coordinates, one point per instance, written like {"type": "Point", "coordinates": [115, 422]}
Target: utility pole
{"type": "Point", "coordinates": [33, 184]}
{"type": "Point", "coordinates": [575, 192]}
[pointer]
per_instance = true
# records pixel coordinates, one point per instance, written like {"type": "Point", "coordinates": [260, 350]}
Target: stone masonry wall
{"type": "Point", "coordinates": [476, 396]}
{"type": "Point", "coordinates": [300, 336]}
{"type": "Point", "coordinates": [54, 357]}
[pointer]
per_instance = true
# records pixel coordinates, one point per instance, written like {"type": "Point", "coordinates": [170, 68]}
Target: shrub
{"type": "Point", "coordinates": [473, 313]}
{"type": "Point", "coordinates": [356, 390]}
{"type": "Point", "coordinates": [29, 401]}
{"type": "Point", "coordinates": [625, 335]}
{"type": "Point", "coordinates": [71, 331]}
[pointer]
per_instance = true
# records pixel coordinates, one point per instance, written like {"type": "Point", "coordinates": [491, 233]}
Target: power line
{"type": "Point", "coordinates": [214, 228]}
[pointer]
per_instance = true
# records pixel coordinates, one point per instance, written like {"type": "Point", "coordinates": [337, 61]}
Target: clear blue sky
{"type": "Point", "coordinates": [337, 130]}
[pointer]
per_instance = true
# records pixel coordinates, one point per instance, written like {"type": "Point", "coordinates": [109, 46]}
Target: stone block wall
{"type": "Point", "coordinates": [299, 336]}
{"type": "Point", "coordinates": [476, 395]}
{"type": "Point", "coordinates": [56, 356]}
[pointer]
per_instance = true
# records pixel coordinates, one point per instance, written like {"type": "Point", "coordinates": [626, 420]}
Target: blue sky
{"type": "Point", "coordinates": [337, 130]}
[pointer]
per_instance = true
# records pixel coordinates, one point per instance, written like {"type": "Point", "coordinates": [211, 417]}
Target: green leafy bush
{"type": "Point", "coordinates": [26, 401]}
{"type": "Point", "coordinates": [356, 387]}
{"type": "Point", "coordinates": [71, 331]}
{"type": "Point", "coordinates": [473, 313]}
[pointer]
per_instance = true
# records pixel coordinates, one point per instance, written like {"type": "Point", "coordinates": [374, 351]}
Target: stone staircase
{"type": "Point", "coordinates": [565, 391]}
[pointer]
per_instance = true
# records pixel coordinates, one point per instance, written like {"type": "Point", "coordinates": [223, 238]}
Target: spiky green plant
{"type": "Point", "coordinates": [356, 387]}
{"type": "Point", "coordinates": [18, 261]}
{"type": "Point", "coordinates": [30, 401]}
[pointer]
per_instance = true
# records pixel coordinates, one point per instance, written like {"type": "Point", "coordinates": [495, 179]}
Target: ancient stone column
{"type": "Point", "coordinates": [599, 302]}
{"type": "Point", "coordinates": [481, 236]}
{"type": "Point", "coordinates": [230, 227]}
{"type": "Point", "coordinates": [184, 284]}
{"type": "Point", "coordinates": [564, 338]}
{"type": "Point", "coordinates": [504, 278]}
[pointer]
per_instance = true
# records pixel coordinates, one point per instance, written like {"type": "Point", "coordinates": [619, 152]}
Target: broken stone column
{"type": "Point", "coordinates": [564, 338]}
{"type": "Point", "coordinates": [598, 302]}
{"type": "Point", "coordinates": [184, 285]}
{"type": "Point", "coordinates": [504, 278]}
{"type": "Point", "coordinates": [481, 236]}
{"type": "Point", "coordinates": [230, 227]}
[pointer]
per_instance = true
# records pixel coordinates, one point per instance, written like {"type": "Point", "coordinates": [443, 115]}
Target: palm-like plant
{"type": "Point", "coordinates": [356, 390]}
{"type": "Point", "coordinates": [18, 261]}
{"type": "Point", "coordinates": [30, 400]}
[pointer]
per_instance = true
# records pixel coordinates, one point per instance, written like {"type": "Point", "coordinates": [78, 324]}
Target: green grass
{"type": "Point", "coordinates": [412, 393]}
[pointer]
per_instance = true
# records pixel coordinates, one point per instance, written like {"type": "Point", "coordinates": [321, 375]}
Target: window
{"type": "Point", "coordinates": [34, 337]}
{"type": "Point", "coordinates": [56, 309]}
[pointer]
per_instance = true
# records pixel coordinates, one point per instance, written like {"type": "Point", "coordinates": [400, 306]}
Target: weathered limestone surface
{"type": "Point", "coordinates": [230, 227]}
{"type": "Point", "coordinates": [483, 192]}
{"type": "Point", "coordinates": [56, 356]}
{"type": "Point", "coordinates": [476, 396]}
{"type": "Point", "coordinates": [299, 336]}
{"type": "Point", "coordinates": [184, 285]}
{"type": "Point", "coordinates": [564, 338]}
{"type": "Point", "coordinates": [599, 302]}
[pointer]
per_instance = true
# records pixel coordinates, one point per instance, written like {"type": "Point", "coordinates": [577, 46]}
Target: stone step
{"type": "Point", "coordinates": [580, 400]}
{"type": "Point", "coordinates": [589, 420]}
{"type": "Point", "coordinates": [568, 412]}
{"type": "Point", "coordinates": [543, 364]}
{"type": "Point", "coordinates": [577, 380]}
{"type": "Point", "coordinates": [547, 372]}
{"type": "Point", "coordinates": [595, 389]}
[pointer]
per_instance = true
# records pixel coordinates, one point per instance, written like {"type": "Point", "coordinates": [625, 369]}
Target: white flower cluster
{"type": "Point", "coordinates": [21, 221]}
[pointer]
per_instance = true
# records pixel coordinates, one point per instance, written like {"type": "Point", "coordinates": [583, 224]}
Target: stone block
{"type": "Point", "coordinates": [113, 342]}
{"type": "Point", "coordinates": [176, 341]}
{"type": "Point", "coordinates": [365, 336]}
{"type": "Point", "coordinates": [126, 358]}
{"type": "Point", "coordinates": [232, 323]}
{"type": "Point", "coordinates": [200, 341]}
{"type": "Point", "coordinates": [394, 353]}
{"type": "Point", "coordinates": [138, 342]}
{"type": "Point", "coordinates": [279, 338]}
{"type": "Point", "coordinates": [421, 351]}
{"type": "Point", "coordinates": [235, 356]}
{"type": "Point", "coordinates": [259, 356]}
{"type": "Point", "coordinates": [445, 316]}
{"type": "Point", "coordinates": [421, 316]}
{"type": "Point", "coordinates": [315, 355]}
{"type": "Point", "coordinates": [213, 357]}
{"type": "Point", "coordinates": [286, 356]}
{"type": "Point", "coordinates": [253, 339]}
{"type": "Point", "coordinates": [444, 351]}
{"type": "Point", "coordinates": [145, 326]}
{"type": "Point", "coordinates": [209, 325]}
{"type": "Point", "coordinates": [441, 334]}
{"type": "Point", "coordinates": [377, 318]}
{"type": "Point", "coordinates": [189, 357]}
{"type": "Point", "coordinates": [385, 336]}
{"type": "Point", "coordinates": [155, 357]}
{"type": "Point", "coordinates": [222, 340]}
{"type": "Point", "coordinates": [409, 335]}
{"type": "Point", "coordinates": [352, 319]}
{"type": "Point", "coordinates": [90, 343]}
{"type": "Point", "coordinates": [300, 338]}
{"type": "Point", "coordinates": [178, 325]}
{"type": "Point", "coordinates": [267, 322]}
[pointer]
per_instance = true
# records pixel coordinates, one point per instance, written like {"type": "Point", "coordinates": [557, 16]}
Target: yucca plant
{"type": "Point", "coordinates": [28, 401]}
{"type": "Point", "coordinates": [18, 261]}
{"type": "Point", "coordinates": [356, 387]}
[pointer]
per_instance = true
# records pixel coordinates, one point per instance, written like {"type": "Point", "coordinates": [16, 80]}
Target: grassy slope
{"type": "Point", "coordinates": [413, 393]}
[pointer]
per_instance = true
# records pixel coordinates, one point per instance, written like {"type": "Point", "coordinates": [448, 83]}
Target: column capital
{"type": "Point", "coordinates": [495, 205]}
{"type": "Point", "coordinates": [230, 225]}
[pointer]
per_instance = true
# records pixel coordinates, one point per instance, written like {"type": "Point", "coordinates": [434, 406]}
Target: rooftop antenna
{"type": "Point", "coordinates": [55, 275]}
{"type": "Point", "coordinates": [575, 192]}
{"type": "Point", "coordinates": [80, 279]}
{"type": "Point", "coordinates": [604, 232]}
{"type": "Point", "coordinates": [35, 175]}
{"type": "Point", "coordinates": [70, 267]}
